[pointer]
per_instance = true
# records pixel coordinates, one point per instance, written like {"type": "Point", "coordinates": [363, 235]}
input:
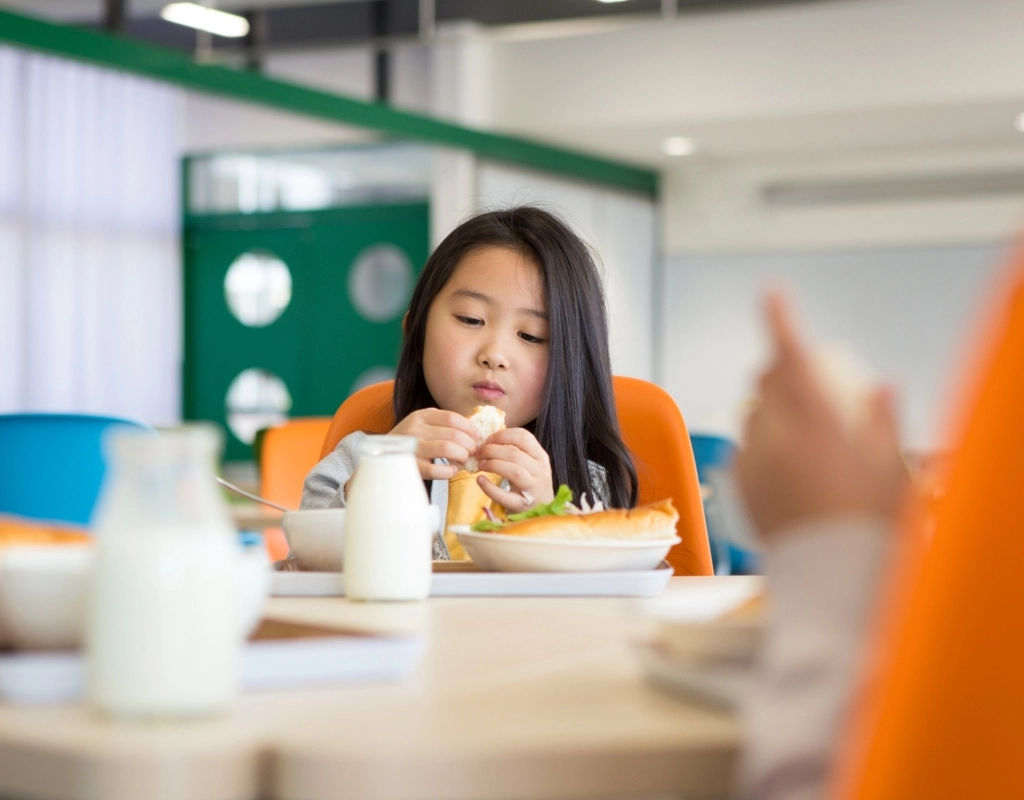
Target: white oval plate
{"type": "Point", "coordinates": [499, 553]}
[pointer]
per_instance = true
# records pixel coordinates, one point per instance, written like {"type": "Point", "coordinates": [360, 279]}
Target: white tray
{"type": "Point", "coordinates": [44, 678]}
{"type": "Point", "coordinates": [467, 581]}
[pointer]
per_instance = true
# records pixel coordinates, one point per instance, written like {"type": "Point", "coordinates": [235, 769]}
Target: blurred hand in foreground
{"type": "Point", "coordinates": [800, 461]}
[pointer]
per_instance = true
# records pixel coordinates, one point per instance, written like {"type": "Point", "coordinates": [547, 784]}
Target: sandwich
{"type": "Point", "coordinates": [561, 519]}
{"type": "Point", "coordinates": [487, 420]}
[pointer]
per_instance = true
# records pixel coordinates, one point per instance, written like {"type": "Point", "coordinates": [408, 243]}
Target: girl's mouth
{"type": "Point", "coordinates": [488, 391]}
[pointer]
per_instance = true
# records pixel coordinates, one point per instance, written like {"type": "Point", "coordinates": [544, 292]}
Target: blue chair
{"type": "Point", "coordinates": [52, 465]}
{"type": "Point", "coordinates": [714, 456]}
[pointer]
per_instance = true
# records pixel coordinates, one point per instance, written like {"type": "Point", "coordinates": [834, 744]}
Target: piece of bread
{"type": "Point", "coordinates": [651, 521]}
{"type": "Point", "coordinates": [487, 420]}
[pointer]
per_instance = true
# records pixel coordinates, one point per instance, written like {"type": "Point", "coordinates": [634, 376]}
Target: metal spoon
{"type": "Point", "coordinates": [232, 488]}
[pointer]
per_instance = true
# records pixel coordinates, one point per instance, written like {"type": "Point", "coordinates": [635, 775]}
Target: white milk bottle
{"type": "Point", "coordinates": [164, 632]}
{"type": "Point", "coordinates": [388, 525]}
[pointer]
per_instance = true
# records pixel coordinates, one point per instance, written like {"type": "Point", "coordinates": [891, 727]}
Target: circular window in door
{"type": "Point", "coordinates": [380, 282]}
{"type": "Point", "coordinates": [256, 399]}
{"type": "Point", "coordinates": [258, 288]}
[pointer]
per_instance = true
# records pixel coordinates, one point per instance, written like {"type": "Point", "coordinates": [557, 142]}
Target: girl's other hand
{"type": "Point", "coordinates": [441, 434]}
{"type": "Point", "coordinates": [516, 455]}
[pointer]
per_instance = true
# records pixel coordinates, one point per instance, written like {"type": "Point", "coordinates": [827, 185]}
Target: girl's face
{"type": "Point", "coordinates": [487, 337]}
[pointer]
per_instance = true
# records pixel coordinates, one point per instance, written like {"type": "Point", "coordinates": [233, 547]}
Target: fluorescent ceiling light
{"type": "Point", "coordinates": [611, 1]}
{"type": "Point", "coordinates": [1018, 122]}
{"type": "Point", "coordinates": [678, 146]}
{"type": "Point", "coordinates": [206, 19]}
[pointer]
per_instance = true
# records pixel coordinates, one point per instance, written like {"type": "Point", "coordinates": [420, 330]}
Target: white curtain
{"type": "Point", "coordinates": [90, 266]}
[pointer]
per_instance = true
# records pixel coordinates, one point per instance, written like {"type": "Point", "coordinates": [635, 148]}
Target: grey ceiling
{"type": "Point", "coordinates": [353, 21]}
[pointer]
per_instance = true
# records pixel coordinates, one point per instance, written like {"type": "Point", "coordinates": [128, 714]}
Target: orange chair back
{"type": "Point", "coordinates": [288, 453]}
{"type": "Point", "coordinates": [652, 428]}
{"type": "Point", "coordinates": [946, 719]}
{"type": "Point", "coordinates": [368, 410]}
{"type": "Point", "coordinates": [655, 433]}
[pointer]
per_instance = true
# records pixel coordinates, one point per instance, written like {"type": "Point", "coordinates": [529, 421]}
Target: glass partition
{"type": "Point", "coordinates": [308, 180]}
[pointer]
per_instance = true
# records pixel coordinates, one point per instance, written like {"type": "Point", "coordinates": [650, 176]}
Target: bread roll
{"type": "Point", "coordinates": [651, 521]}
{"type": "Point", "coordinates": [487, 420]}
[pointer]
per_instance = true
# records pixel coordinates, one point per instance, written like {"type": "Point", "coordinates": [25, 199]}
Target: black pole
{"type": "Point", "coordinates": [382, 57]}
{"type": "Point", "coordinates": [115, 14]}
{"type": "Point", "coordinates": [256, 39]}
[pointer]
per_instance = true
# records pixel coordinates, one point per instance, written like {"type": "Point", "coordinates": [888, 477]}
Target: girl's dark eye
{"type": "Point", "coordinates": [469, 320]}
{"type": "Point", "coordinates": [531, 339]}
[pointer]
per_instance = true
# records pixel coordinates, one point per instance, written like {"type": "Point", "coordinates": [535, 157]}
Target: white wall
{"type": "Point", "coordinates": [621, 230]}
{"type": "Point", "coordinates": [718, 205]}
{"type": "Point", "coordinates": [214, 123]}
{"type": "Point", "coordinates": [818, 90]}
{"type": "Point", "coordinates": [908, 313]}
{"type": "Point", "coordinates": [792, 78]}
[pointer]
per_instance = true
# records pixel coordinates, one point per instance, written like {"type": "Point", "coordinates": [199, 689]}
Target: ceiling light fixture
{"type": "Point", "coordinates": [611, 1]}
{"type": "Point", "coordinates": [1018, 122]}
{"type": "Point", "coordinates": [219, 23]}
{"type": "Point", "coordinates": [678, 146]}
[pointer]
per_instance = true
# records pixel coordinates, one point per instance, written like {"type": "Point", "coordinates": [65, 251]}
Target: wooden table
{"type": "Point", "coordinates": [515, 698]}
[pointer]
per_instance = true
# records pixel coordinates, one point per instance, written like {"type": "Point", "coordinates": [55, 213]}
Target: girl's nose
{"type": "Point", "coordinates": [492, 356]}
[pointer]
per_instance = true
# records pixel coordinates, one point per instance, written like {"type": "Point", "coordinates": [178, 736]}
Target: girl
{"type": "Point", "coordinates": [508, 312]}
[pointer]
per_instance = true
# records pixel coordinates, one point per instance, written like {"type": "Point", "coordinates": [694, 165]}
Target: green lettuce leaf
{"type": "Point", "coordinates": [555, 508]}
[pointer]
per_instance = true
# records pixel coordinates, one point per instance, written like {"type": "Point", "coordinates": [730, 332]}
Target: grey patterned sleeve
{"type": "Point", "coordinates": [599, 480]}
{"type": "Point", "coordinates": [325, 485]}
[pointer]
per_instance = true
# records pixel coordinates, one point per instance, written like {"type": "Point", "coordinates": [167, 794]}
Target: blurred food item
{"type": "Point", "coordinates": [711, 660]}
{"type": "Point", "coordinates": [16, 531]}
{"type": "Point", "coordinates": [846, 381]}
{"type": "Point", "coordinates": [488, 420]}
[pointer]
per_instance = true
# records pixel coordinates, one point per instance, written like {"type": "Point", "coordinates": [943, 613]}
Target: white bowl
{"type": "Point", "coordinates": [317, 538]}
{"type": "Point", "coordinates": [499, 553]}
{"type": "Point", "coordinates": [44, 592]}
{"type": "Point", "coordinates": [42, 595]}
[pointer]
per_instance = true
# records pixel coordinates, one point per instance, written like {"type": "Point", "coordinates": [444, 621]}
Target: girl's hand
{"type": "Point", "coordinates": [441, 434]}
{"type": "Point", "coordinates": [516, 455]}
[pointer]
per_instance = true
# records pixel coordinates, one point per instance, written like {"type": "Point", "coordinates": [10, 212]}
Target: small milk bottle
{"type": "Point", "coordinates": [164, 636]}
{"type": "Point", "coordinates": [388, 525]}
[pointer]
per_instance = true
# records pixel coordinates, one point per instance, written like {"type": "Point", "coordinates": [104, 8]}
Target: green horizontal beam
{"type": "Point", "coordinates": [174, 67]}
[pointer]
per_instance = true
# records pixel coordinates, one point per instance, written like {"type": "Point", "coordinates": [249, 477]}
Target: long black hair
{"type": "Point", "coordinates": [577, 422]}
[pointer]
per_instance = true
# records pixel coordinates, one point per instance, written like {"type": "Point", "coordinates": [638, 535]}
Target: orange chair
{"type": "Point", "coordinates": [288, 453]}
{"type": "Point", "coordinates": [652, 428]}
{"type": "Point", "coordinates": [368, 410]}
{"type": "Point", "coordinates": [946, 718]}
{"type": "Point", "coordinates": [656, 435]}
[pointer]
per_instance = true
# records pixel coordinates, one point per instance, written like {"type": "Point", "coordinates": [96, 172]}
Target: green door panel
{"type": "Point", "coordinates": [320, 345]}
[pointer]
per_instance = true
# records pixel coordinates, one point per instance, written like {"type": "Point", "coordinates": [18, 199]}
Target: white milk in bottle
{"type": "Point", "coordinates": [388, 525]}
{"type": "Point", "coordinates": [164, 630]}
